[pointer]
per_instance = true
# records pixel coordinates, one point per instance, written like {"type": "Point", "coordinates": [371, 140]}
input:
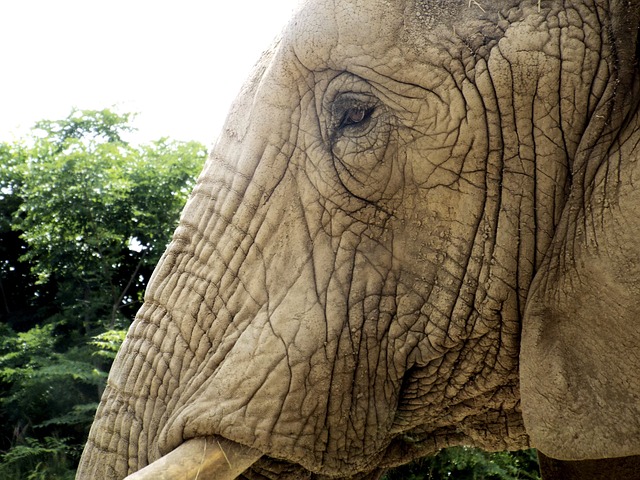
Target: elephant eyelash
{"type": "Point", "coordinates": [351, 115]}
{"type": "Point", "coordinates": [355, 116]}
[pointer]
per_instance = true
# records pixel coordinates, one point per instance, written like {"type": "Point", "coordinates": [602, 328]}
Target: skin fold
{"type": "Point", "coordinates": [418, 229]}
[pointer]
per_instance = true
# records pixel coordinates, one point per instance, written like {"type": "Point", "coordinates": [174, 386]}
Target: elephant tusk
{"type": "Point", "coordinates": [202, 458]}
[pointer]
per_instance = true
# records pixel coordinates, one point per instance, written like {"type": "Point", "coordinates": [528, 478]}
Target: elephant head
{"type": "Point", "coordinates": [418, 226]}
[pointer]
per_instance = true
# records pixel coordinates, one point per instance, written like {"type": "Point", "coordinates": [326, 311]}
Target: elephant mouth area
{"type": "Point", "coordinates": [218, 458]}
{"type": "Point", "coordinates": [270, 468]}
{"type": "Point", "coordinates": [223, 459]}
{"type": "Point", "coordinates": [248, 463]}
{"type": "Point", "coordinates": [244, 455]}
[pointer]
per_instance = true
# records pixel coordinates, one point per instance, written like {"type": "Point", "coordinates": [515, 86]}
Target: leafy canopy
{"type": "Point", "coordinates": [84, 217]}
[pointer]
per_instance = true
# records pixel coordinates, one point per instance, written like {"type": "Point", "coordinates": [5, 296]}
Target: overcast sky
{"type": "Point", "coordinates": [178, 63]}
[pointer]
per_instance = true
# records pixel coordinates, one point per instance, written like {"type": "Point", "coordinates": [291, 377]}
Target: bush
{"type": "Point", "coordinates": [465, 463]}
{"type": "Point", "coordinates": [84, 218]}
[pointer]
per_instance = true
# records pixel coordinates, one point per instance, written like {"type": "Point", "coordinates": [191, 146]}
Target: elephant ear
{"type": "Point", "coordinates": [580, 352]}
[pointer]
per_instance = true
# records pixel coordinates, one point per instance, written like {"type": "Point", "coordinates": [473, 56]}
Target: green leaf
{"type": "Point", "coordinates": [108, 343]}
{"type": "Point", "coordinates": [79, 414]}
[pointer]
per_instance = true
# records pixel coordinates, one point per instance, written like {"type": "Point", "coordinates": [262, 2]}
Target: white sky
{"type": "Point", "coordinates": [178, 63]}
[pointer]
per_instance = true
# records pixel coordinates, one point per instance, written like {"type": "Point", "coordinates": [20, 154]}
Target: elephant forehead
{"type": "Point", "coordinates": [346, 34]}
{"type": "Point", "coordinates": [324, 33]}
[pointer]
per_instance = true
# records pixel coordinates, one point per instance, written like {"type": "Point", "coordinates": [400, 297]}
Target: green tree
{"type": "Point", "coordinates": [465, 463]}
{"type": "Point", "coordinates": [84, 217]}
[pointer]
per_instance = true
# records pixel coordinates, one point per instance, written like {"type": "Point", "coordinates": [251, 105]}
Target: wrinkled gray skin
{"type": "Point", "coordinates": [419, 226]}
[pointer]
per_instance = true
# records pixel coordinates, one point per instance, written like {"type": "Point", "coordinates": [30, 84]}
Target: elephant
{"type": "Point", "coordinates": [417, 229]}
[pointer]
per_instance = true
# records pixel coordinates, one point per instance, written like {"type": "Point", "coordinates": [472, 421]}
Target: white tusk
{"type": "Point", "coordinates": [203, 458]}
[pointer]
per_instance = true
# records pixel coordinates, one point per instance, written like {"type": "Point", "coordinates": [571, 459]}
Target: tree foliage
{"type": "Point", "coordinates": [465, 463]}
{"type": "Point", "coordinates": [84, 217]}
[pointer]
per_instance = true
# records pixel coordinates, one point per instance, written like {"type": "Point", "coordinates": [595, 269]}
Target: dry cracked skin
{"type": "Point", "coordinates": [417, 227]}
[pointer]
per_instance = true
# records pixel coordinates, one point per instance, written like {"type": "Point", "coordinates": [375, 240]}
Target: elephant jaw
{"type": "Point", "coordinates": [214, 458]}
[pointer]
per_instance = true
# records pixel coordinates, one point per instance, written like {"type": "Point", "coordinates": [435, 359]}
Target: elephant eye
{"type": "Point", "coordinates": [354, 116]}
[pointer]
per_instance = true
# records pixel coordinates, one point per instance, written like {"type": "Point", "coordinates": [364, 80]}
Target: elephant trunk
{"type": "Point", "coordinates": [213, 458]}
